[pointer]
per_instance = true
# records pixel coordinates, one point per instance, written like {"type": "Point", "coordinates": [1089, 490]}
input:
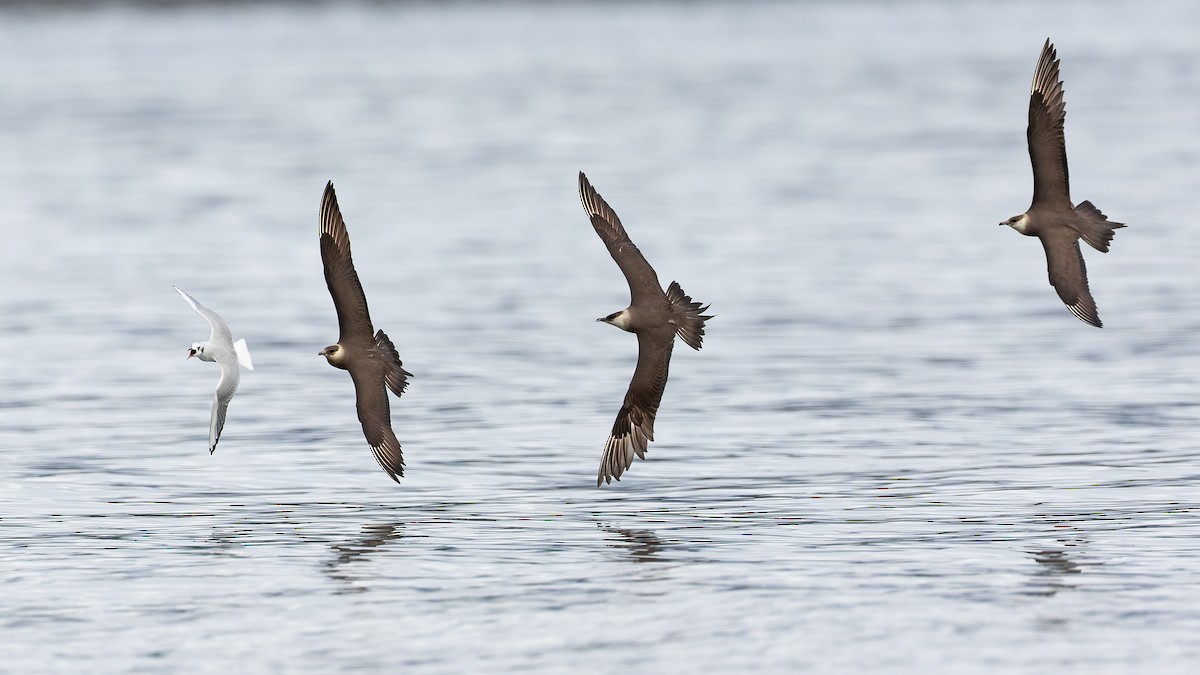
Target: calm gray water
{"type": "Point", "coordinates": [898, 451]}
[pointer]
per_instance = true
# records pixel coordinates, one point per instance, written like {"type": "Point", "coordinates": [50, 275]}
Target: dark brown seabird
{"type": "Point", "coordinates": [371, 359]}
{"type": "Point", "coordinates": [656, 317]}
{"type": "Point", "coordinates": [1051, 217]}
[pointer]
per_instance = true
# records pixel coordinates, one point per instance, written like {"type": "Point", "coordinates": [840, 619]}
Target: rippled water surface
{"type": "Point", "coordinates": [897, 451]}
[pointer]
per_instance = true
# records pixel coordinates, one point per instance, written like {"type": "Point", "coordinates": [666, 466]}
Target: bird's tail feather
{"type": "Point", "coordinates": [243, 354]}
{"type": "Point", "coordinates": [1094, 227]}
{"type": "Point", "coordinates": [689, 317]}
{"type": "Point", "coordinates": [395, 376]}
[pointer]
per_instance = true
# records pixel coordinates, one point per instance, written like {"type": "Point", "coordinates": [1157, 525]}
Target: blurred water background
{"type": "Point", "coordinates": [897, 451]}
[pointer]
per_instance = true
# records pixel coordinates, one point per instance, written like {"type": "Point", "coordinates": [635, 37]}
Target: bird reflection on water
{"type": "Point", "coordinates": [1055, 566]}
{"type": "Point", "coordinates": [643, 546]}
{"type": "Point", "coordinates": [1051, 577]}
{"type": "Point", "coordinates": [373, 537]}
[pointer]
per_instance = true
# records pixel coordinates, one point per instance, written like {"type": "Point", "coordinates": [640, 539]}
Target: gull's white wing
{"type": "Point", "coordinates": [226, 386]}
{"type": "Point", "coordinates": [220, 329]}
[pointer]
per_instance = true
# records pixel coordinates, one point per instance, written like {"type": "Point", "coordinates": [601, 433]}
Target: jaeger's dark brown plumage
{"type": "Point", "coordinates": [656, 317]}
{"type": "Point", "coordinates": [1051, 217]}
{"type": "Point", "coordinates": [370, 358]}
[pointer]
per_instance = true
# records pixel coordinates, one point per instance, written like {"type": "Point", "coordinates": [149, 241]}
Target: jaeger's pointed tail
{"type": "Point", "coordinates": [396, 376]}
{"type": "Point", "coordinates": [1094, 227]}
{"type": "Point", "coordinates": [689, 316]}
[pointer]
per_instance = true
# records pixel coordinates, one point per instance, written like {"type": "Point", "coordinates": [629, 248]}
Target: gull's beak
{"type": "Point", "coordinates": [1003, 224]}
{"type": "Point", "coordinates": [191, 353]}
